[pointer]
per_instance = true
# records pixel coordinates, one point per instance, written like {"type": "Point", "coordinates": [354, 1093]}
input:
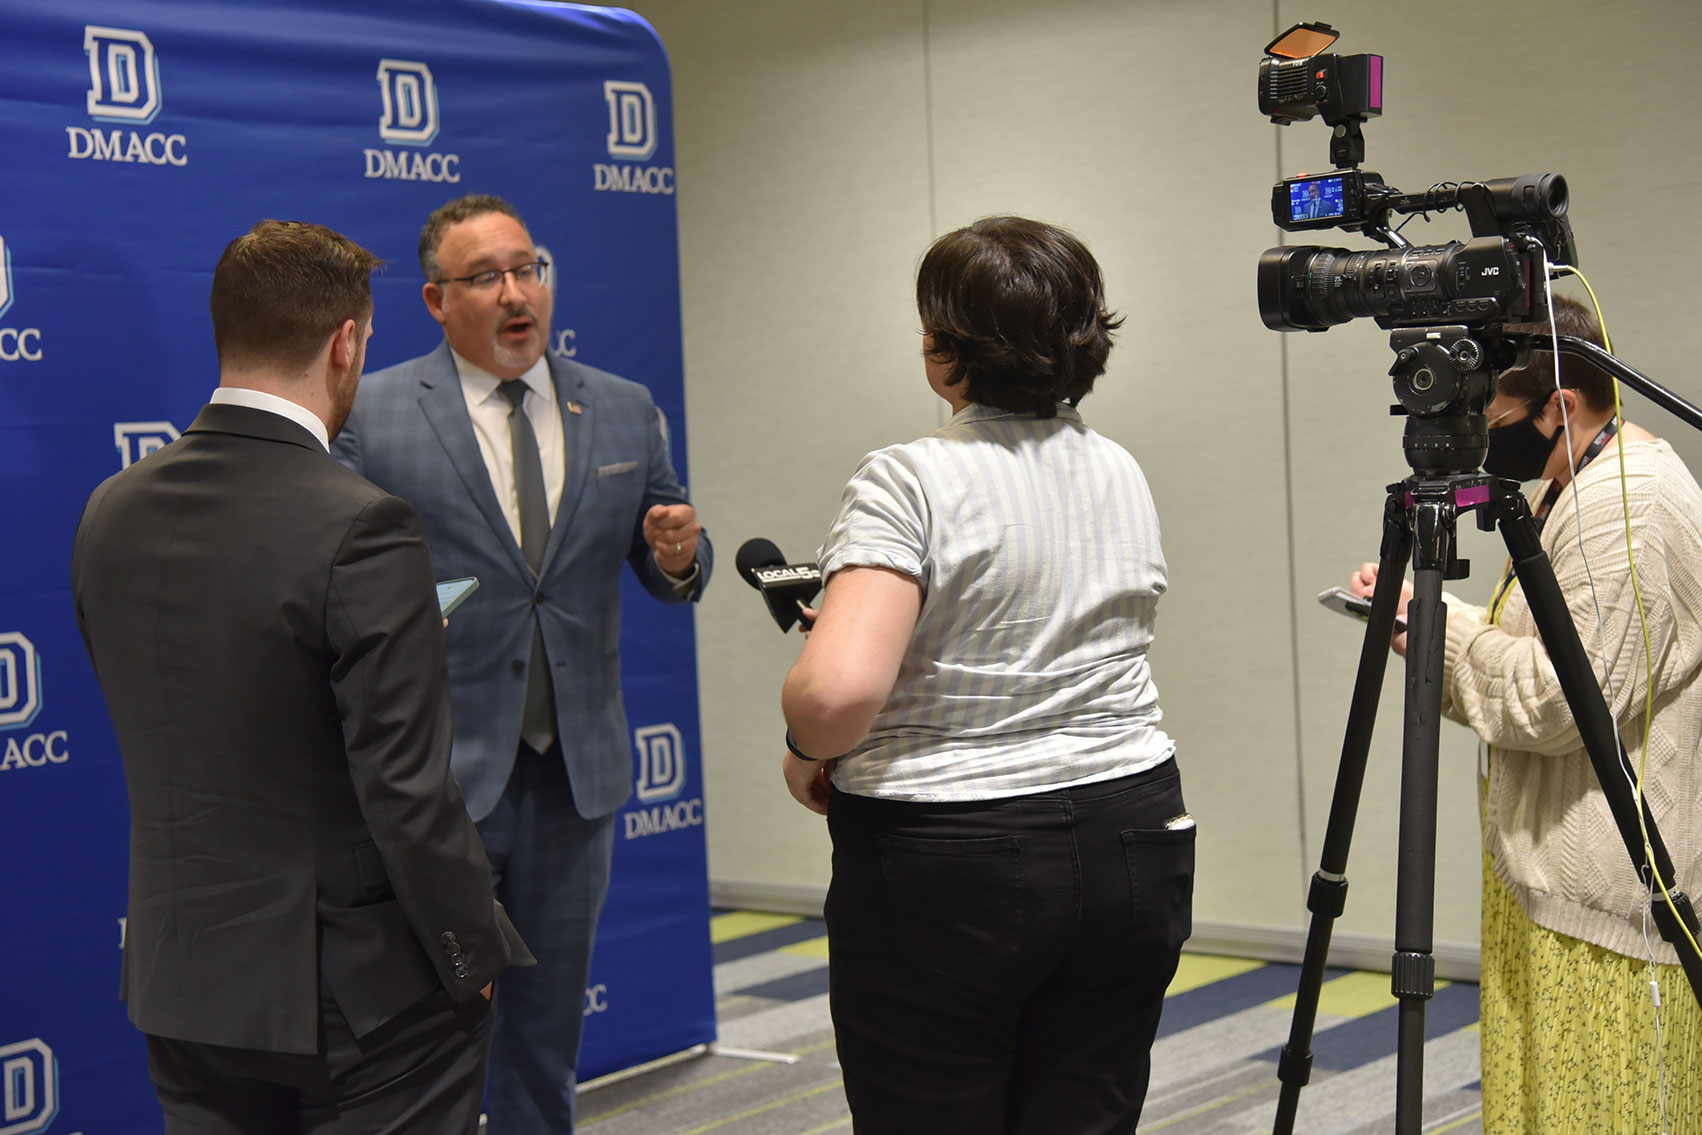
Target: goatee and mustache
{"type": "Point", "coordinates": [521, 320]}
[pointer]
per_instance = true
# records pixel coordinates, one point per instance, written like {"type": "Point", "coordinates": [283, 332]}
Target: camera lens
{"type": "Point", "coordinates": [1307, 288]}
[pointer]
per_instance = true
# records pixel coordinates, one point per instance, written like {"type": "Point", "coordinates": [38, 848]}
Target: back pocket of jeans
{"type": "Point", "coordinates": [1161, 881]}
{"type": "Point", "coordinates": [954, 902]}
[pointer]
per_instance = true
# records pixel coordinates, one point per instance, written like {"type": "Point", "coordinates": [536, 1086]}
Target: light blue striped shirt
{"type": "Point", "coordinates": [1037, 547]}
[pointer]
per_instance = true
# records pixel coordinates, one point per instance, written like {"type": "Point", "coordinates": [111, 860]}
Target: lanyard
{"type": "Point", "coordinates": [1505, 587]}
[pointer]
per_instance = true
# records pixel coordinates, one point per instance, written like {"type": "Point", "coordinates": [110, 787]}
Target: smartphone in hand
{"type": "Point", "coordinates": [451, 593]}
{"type": "Point", "coordinates": [1344, 602]}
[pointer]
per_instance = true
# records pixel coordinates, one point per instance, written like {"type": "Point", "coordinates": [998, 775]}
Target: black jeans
{"type": "Point", "coordinates": [999, 966]}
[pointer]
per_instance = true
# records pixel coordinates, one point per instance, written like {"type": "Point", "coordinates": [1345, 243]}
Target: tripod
{"type": "Point", "coordinates": [1443, 379]}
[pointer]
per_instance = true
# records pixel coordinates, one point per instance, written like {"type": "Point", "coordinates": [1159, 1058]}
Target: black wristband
{"type": "Point", "coordinates": [792, 747]}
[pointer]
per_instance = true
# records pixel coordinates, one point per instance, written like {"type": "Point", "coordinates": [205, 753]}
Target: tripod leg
{"type": "Point", "coordinates": [1328, 895]}
{"type": "Point", "coordinates": [1413, 971]}
{"type": "Point", "coordinates": [1595, 723]}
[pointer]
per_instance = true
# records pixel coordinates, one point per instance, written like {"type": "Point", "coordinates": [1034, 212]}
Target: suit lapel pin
{"type": "Point", "coordinates": [573, 408]}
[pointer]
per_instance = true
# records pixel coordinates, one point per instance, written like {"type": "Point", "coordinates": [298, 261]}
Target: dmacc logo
{"type": "Point", "coordinates": [17, 344]}
{"type": "Point", "coordinates": [632, 137]}
{"type": "Point", "coordinates": [409, 117]}
{"type": "Point", "coordinates": [661, 777]}
{"type": "Point", "coordinates": [20, 702]}
{"type": "Point", "coordinates": [124, 88]}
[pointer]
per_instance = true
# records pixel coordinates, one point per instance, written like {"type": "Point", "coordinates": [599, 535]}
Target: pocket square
{"type": "Point", "coordinates": [617, 467]}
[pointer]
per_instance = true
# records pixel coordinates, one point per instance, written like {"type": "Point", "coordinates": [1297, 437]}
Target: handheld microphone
{"type": "Point", "coordinates": [786, 588]}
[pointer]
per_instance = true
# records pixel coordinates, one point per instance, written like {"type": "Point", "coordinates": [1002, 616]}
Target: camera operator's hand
{"type": "Point", "coordinates": [1364, 581]}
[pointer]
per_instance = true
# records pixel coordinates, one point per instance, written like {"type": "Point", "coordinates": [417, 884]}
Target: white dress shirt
{"type": "Point", "coordinates": [260, 400]}
{"type": "Point", "coordinates": [488, 408]}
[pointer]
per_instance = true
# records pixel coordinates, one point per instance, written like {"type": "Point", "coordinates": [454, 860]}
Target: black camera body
{"type": "Point", "coordinates": [1516, 222]}
{"type": "Point", "coordinates": [1308, 288]}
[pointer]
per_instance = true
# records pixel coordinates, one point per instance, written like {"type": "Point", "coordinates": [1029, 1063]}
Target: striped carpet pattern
{"type": "Point", "coordinates": [1214, 1066]}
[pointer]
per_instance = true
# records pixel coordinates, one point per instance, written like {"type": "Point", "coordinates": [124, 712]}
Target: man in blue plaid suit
{"type": "Point", "coordinates": [540, 476]}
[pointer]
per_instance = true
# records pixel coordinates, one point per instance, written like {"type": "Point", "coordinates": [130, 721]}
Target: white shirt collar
{"type": "Point", "coordinates": [271, 403]}
{"type": "Point", "coordinates": [481, 384]}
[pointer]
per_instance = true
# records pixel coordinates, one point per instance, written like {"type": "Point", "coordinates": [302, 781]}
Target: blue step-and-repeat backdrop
{"type": "Point", "coordinates": [138, 137]}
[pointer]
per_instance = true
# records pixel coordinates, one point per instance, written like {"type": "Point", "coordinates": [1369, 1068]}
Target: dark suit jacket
{"type": "Point", "coordinates": [264, 627]}
{"type": "Point", "coordinates": [410, 433]}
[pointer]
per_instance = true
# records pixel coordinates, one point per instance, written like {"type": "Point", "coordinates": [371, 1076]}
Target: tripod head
{"type": "Point", "coordinates": [1444, 378]}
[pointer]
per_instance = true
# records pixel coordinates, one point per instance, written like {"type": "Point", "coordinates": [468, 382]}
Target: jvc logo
{"type": "Point", "coordinates": [410, 102]}
{"type": "Point", "coordinates": [20, 683]}
{"type": "Point", "coordinates": [661, 763]}
{"type": "Point", "coordinates": [124, 77]}
{"type": "Point", "coordinates": [632, 119]}
{"type": "Point", "coordinates": [135, 440]}
{"type": "Point", "coordinates": [29, 1087]}
{"type": "Point", "coordinates": [1492, 270]}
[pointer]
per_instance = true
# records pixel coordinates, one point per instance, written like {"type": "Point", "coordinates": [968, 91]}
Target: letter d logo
{"type": "Point", "coordinates": [29, 1087]}
{"type": "Point", "coordinates": [410, 102]}
{"type": "Point", "coordinates": [20, 686]}
{"type": "Point", "coordinates": [632, 119]}
{"type": "Point", "coordinates": [661, 764]}
{"type": "Point", "coordinates": [124, 79]}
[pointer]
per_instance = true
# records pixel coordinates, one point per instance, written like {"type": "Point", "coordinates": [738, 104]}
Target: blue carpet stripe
{"type": "Point", "coordinates": [735, 948]}
{"type": "Point", "coordinates": [1232, 995]}
{"type": "Point", "coordinates": [1358, 1042]}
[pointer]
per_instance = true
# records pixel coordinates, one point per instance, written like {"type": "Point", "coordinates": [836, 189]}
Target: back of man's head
{"type": "Point", "coordinates": [281, 289]}
{"type": "Point", "coordinates": [1537, 380]}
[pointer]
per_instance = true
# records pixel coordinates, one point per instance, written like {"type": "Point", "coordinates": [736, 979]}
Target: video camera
{"type": "Point", "coordinates": [1487, 280]}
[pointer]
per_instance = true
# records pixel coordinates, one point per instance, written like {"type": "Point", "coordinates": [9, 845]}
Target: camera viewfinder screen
{"type": "Point", "coordinates": [1315, 200]}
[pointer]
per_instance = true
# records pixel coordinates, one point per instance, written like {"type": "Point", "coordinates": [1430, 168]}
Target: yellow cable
{"type": "Point", "coordinates": [1642, 616]}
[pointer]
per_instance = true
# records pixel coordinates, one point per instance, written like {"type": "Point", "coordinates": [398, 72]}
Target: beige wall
{"type": "Point", "coordinates": [822, 143]}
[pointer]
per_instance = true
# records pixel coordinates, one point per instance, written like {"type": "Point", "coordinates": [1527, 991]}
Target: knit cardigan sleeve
{"type": "Point", "coordinates": [1498, 678]}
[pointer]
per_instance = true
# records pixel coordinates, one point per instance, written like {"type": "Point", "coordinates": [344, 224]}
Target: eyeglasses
{"type": "Point", "coordinates": [525, 275]}
{"type": "Point", "coordinates": [1531, 407]}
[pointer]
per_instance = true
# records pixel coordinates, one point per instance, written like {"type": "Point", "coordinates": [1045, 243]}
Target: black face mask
{"type": "Point", "coordinates": [1520, 450]}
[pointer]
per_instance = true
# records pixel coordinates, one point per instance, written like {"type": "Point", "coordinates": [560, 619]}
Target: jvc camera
{"type": "Point", "coordinates": [1490, 279]}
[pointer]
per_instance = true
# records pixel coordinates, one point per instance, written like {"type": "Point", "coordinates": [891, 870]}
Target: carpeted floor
{"type": "Point", "coordinates": [1214, 1066]}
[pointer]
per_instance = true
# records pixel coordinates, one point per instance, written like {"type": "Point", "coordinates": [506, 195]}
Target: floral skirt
{"type": "Point", "coordinates": [1569, 1033]}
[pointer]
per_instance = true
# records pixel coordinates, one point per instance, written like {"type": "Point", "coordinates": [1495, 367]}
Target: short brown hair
{"type": "Point", "coordinates": [1534, 383]}
{"type": "Point", "coordinates": [1018, 308]}
{"type": "Point", "coordinates": [282, 288]}
{"type": "Point", "coordinates": [453, 213]}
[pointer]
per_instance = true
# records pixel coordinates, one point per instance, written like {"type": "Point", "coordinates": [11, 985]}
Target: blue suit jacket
{"type": "Point", "coordinates": [409, 433]}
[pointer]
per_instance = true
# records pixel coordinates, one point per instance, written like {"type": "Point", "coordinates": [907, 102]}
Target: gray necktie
{"type": "Point", "coordinates": [537, 725]}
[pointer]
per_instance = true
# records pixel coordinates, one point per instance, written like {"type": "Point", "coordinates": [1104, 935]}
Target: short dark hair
{"type": "Point", "coordinates": [453, 213]}
{"type": "Point", "coordinates": [282, 288]}
{"type": "Point", "coordinates": [1018, 309]}
{"type": "Point", "coordinates": [1535, 382]}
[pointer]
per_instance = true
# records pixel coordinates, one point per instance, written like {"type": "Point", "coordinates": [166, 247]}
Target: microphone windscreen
{"type": "Point", "coordinates": [757, 553]}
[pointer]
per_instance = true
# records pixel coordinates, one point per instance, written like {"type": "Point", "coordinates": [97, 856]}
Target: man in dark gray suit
{"type": "Point", "coordinates": [312, 934]}
{"type": "Point", "coordinates": [541, 477]}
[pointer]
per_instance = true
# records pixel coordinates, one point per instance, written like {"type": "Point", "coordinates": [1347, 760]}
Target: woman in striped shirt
{"type": "Point", "coordinates": [975, 715]}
